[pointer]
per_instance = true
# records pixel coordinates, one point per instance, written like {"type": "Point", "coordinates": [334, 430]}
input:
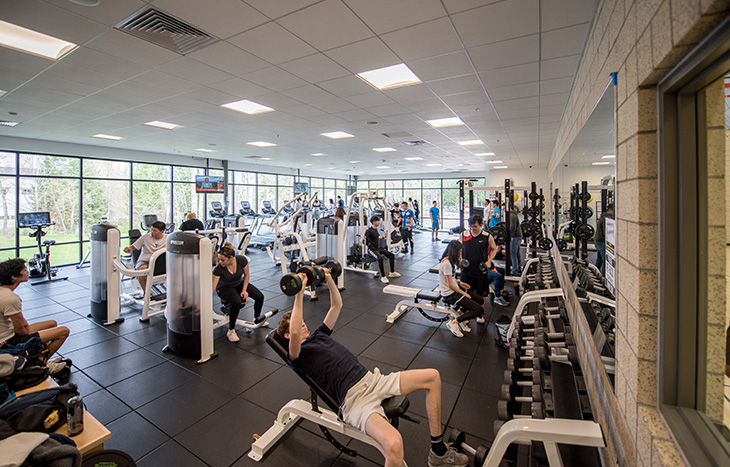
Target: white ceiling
{"type": "Point", "coordinates": [504, 67]}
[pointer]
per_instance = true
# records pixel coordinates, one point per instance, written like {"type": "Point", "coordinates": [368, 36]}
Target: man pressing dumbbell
{"type": "Point", "coordinates": [372, 239]}
{"type": "Point", "coordinates": [359, 391]}
{"type": "Point", "coordinates": [479, 251]}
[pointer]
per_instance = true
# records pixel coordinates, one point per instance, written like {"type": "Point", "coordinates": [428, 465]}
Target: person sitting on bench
{"type": "Point", "coordinates": [231, 279]}
{"type": "Point", "coordinates": [191, 223]}
{"type": "Point", "coordinates": [359, 391]}
{"type": "Point", "coordinates": [456, 292]}
{"type": "Point", "coordinates": [154, 240]}
{"type": "Point", "coordinates": [14, 329]}
{"type": "Point", "coordinates": [479, 247]}
{"type": "Point", "coordinates": [372, 239]}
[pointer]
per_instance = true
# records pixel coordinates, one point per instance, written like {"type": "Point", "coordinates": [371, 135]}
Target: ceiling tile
{"type": "Point", "coordinates": [424, 40]}
{"type": "Point", "coordinates": [467, 98]}
{"type": "Point", "coordinates": [517, 104]}
{"type": "Point", "coordinates": [134, 49]}
{"type": "Point", "coordinates": [277, 101]}
{"type": "Point", "coordinates": [334, 105]}
{"type": "Point", "coordinates": [557, 85]}
{"type": "Point", "coordinates": [111, 14]}
{"type": "Point", "coordinates": [326, 25]}
{"type": "Point", "coordinates": [226, 19]}
{"type": "Point", "coordinates": [80, 74]}
{"type": "Point", "coordinates": [410, 93]}
{"type": "Point", "coordinates": [465, 83]}
{"type": "Point", "coordinates": [164, 80]}
{"type": "Point", "coordinates": [308, 94]}
{"type": "Point", "coordinates": [514, 92]}
{"type": "Point", "coordinates": [369, 99]}
{"type": "Point", "coordinates": [103, 63]}
{"type": "Point", "coordinates": [229, 58]}
{"type": "Point", "coordinates": [506, 53]}
{"type": "Point", "coordinates": [303, 111]}
{"type": "Point", "coordinates": [560, 13]}
{"type": "Point", "coordinates": [386, 15]}
{"type": "Point", "coordinates": [315, 68]}
{"type": "Point", "coordinates": [562, 42]}
{"type": "Point", "coordinates": [497, 22]}
{"type": "Point", "coordinates": [274, 78]}
{"type": "Point", "coordinates": [518, 74]}
{"type": "Point", "coordinates": [272, 43]}
{"type": "Point", "coordinates": [240, 87]}
{"type": "Point", "coordinates": [346, 86]}
{"type": "Point", "coordinates": [365, 55]}
{"type": "Point", "coordinates": [559, 67]}
{"type": "Point", "coordinates": [443, 66]}
{"type": "Point", "coordinates": [195, 71]}
{"type": "Point", "coordinates": [54, 21]}
{"type": "Point", "coordinates": [554, 99]}
{"type": "Point", "coordinates": [276, 8]}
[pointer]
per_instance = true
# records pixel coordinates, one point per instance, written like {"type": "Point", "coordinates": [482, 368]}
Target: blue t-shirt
{"type": "Point", "coordinates": [434, 213]}
{"type": "Point", "coordinates": [495, 220]}
{"type": "Point", "coordinates": [329, 363]}
{"type": "Point", "coordinates": [406, 216]}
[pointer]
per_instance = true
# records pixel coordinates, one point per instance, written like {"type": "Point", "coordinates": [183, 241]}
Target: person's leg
{"type": "Point", "coordinates": [388, 437]}
{"type": "Point", "coordinates": [51, 334]}
{"type": "Point", "coordinates": [233, 298]}
{"type": "Point", "coordinates": [404, 236]}
{"type": "Point", "coordinates": [377, 254]}
{"type": "Point", "coordinates": [472, 310]}
{"type": "Point", "coordinates": [498, 279]}
{"type": "Point", "coordinates": [142, 279]}
{"type": "Point", "coordinates": [478, 299]}
{"type": "Point", "coordinates": [601, 256]}
{"type": "Point", "coordinates": [257, 297]}
{"type": "Point", "coordinates": [391, 259]}
{"type": "Point", "coordinates": [514, 248]}
{"type": "Point", "coordinates": [430, 380]}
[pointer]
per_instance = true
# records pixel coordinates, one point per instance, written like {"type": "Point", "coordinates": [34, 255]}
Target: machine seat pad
{"type": "Point", "coordinates": [395, 406]}
{"type": "Point", "coordinates": [49, 242]}
{"type": "Point", "coordinates": [429, 296]}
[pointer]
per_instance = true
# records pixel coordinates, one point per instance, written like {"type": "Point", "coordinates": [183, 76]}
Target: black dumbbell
{"type": "Point", "coordinates": [457, 439]}
{"type": "Point", "coordinates": [465, 263]}
{"type": "Point", "coordinates": [291, 284]}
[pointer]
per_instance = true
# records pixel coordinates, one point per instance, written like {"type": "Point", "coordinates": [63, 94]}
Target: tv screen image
{"type": "Point", "coordinates": [209, 184]}
{"type": "Point", "coordinates": [32, 219]}
{"type": "Point", "coordinates": [301, 187]}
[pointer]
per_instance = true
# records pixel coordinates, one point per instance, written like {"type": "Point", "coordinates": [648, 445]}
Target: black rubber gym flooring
{"type": "Point", "coordinates": [169, 411]}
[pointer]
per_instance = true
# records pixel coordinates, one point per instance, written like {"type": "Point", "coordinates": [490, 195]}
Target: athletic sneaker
{"type": "Point", "coordinates": [481, 320]}
{"type": "Point", "coordinates": [464, 325]}
{"type": "Point", "coordinates": [394, 274]}
{"type": "Point", "coordinates": [457, 332]}
{"type": "Point", "coordinates": [56, 360]}
{"type": "Point", "coordinates": [232, 335]}
{"type": "Point", "coordinates": [385, 280]}
{"type": "Point", "coordinates": [450, 458]}
{"type": "Point", "coordinates": [411, 251]}
{"type": "Point", "coordinates": [501, 301]}
{"type": "Point", "coordinates": [54, 368]}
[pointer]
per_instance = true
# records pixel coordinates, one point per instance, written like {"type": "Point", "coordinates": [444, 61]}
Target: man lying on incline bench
{"type": "Point", "coordinates": [359, 391]}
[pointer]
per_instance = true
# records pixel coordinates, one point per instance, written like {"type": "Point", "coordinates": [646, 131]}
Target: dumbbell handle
{"type": "Point", "coordinates": [266, 316]}
{"type": "Point", "coordinates": [320, 261]}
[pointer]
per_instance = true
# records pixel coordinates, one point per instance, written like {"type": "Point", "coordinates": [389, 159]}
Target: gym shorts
{"type": "Point", "coordinates": [434, 225]}
{"type": "Point", "coordinates": [140, 263]}
{"type": "Point", "coordinates": [18, 339]}
{"type": "Point", "coordinates": [365, 397]}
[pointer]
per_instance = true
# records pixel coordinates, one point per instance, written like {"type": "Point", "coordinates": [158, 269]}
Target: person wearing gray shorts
{"type": "Point", "coordinates": [359, 391]}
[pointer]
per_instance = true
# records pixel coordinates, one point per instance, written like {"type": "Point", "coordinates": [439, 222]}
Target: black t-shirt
{"type": "Point", "coordinates": [329, 363]}
{"type": "Point", "coordinates": [192, 224]}
{"type": "Point", "coordinates": [371, 238]}
{"type": "Point", "coordinates": [476, 250]}
{"type": "Point", "coordinates": [226, 278]}
{"type": "Point", "coordinates": [514, 225]}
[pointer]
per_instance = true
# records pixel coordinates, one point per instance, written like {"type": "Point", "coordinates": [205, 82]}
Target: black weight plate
{"type": "Point", "coordinates": [534, 196]}
{"type": "Point", "coordinates": [584, 231]}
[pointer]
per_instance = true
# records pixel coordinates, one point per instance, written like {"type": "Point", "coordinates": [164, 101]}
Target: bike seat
{"type": "Point", "coordinates": [49, 242]}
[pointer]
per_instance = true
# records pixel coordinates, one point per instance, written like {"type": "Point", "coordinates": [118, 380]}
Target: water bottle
{"type": "Point", "coordinates": [75, 416]}
{"type": "Point", "coordinates": [104, 220]}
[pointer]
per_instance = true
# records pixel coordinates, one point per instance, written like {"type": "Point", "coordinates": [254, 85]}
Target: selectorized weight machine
{"type": "Point", "coordinates": [40, 264]}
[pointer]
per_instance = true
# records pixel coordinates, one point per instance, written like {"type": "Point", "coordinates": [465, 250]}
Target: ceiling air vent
{"type": "Point", "coordinates": [419, 142]}
{"type": "Point", "coordinates": [398, 134]}
{"type": "Point", "coordinates": [166, 31]}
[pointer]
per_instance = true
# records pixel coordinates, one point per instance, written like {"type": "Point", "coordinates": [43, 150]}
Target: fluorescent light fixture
{"type": "Point", "coordinates": [444, 122]}
{"type": "Point", "coordinates": [390, 77]}
{"type": "Point", "coordinates": [433, 165]}
{"type": "Point", "coordinates": [493, 162]}
{"type": "Point", "coordinates": [471, 142]}
{"type": "Point", "coordinates": [414, 158]}
{"type": "Point", "coordinates": [480, 154]}
{"type": "Point", "coordinates": [2, 93]}
{"type": "Point", "coordinates": [103, 136]}
{"type": "Point", "coordinates": [261, 144]}
{"type": "Point", "coordinates": [501, 167]}
{"type": "Point", "coordinates": [383, 149]}
{"type": "Point", "coordinates": [609, 156]}
{"type": "Point", "coordinates": [337, 134]}
{"type": "Point", "coordinates": [307, 165]}
{"type": "Point", "coordinates": [382, 167]}
{"type": "Point", "coordinates": [247, 107]}
{"type": "Point", "coordinates": [7, 123]}
{"type": "Point", "coordinates": [163, 125]}
{"type": "Point", "coordinates": [264, 158]}
{"type": "Point", "coordinates": [204, 150]}
{"type": "Point", "coordinates": [317, 154]}
{"type": "Point", "coordinates": [355, 162]}
{"type": "Point", "coordinates": [26, 40]}
{"type": "Point", "coordinates": [330, 168]}
{"type": "Point", "coordinates": [601, 163]}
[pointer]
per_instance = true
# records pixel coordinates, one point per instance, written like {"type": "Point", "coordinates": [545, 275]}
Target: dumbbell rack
{"type": "Point", "coordinates": [588, 277]}
{"type": "Point", "coordinates": [539, 275]}
{"type": "Point", "coordinates": [544, 379]}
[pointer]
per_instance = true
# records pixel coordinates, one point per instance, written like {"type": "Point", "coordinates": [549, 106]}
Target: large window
{"type": "Point", "coordinates": [694, 172]}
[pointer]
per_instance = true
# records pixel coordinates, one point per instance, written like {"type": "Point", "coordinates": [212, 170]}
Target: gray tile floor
{"type": "Point", "coordinates": [167, 410]}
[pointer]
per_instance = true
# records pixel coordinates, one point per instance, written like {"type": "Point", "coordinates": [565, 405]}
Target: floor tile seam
{"type": "Point", "coordinates": [131, 409]}
{"type": "Point", "coordinates": [193, 422]}
{"type": "Point", "coordinates": [102, 361]}
{"type": "Point", "coordinates": [461, 390]}
{"type": "Point", "coordinates": [173, 440]}
{"type": "Point", "coordinates": [115, 382]}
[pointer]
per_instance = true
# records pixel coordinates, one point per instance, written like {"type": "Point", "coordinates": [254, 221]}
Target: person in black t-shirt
{"type": "Point", "coordinates": [359, 391]}
{"type": "Point", "coordinates": [231, 280]}
{"type": "Point", "coordinates": [479, 247]}
{"type": "Point", "coordinates": [372, 239]}
{"type": "Point", "coordinates": [191, 223]}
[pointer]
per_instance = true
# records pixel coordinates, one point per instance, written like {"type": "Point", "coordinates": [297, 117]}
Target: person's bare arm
{"type": "Point", "coordinates": [492, 252]}
{"type": "Point", "coordinates": [20, 325]}
{"type": "Point", "coordinates": [246, 280]}
{"type": "Point", "coordinates": [335, 302]}
{"type": "Point", "coordinates": [295, 322]}
{"type": "Point", "coordinates": [215, 281]}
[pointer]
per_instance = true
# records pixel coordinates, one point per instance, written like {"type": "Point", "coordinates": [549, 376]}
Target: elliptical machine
{"type": "Point", "coordinates": [40, 264]}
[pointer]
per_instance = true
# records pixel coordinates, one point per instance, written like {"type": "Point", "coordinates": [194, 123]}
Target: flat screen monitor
{"type": "Point", "coordinates": [301, 187]}
{"type": "Point", "coordinates": [33, 219]}
{"type": "Point", "coordinates": [208, 184]}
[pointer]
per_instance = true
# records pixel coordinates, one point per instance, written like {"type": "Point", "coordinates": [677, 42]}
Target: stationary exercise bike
{"type": "Point", "coordinates": [40, 264]}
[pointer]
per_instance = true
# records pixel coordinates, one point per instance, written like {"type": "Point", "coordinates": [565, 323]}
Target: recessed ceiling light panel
{"type": "Point", "coordinates": [247, 107]}
{"type": "Point", "coordinates": [493, 162]}
{"type": "Point", "coordinates": [607, 156]}
{"type": "Point", "coordinates": [383, 149]}
{"type": "Point", "coordinates": [355, 162]}
{"type": "Point", "coordinates": [261, 144]}
{"type": "Point", "coordinates": [337, 135]}
{"type": "Point", "coordinates": [163, 125]}
{"type": "Point", "coordinates": [601, 163]}
{"type": "Point", "coordinates": [382, 167]}
{"type": "Point", "coordinates": [317, 154]}
{"type": "Point", "coordinates": [481, 154]}
{"type": "Point", "coordinates": [471, 142]}
{"type": "Point", "coordinates": [444, 122]}
{"type": "Point", "coordinates": [103, 136]}
{"type": "Point", "coordinates": [414, 158]}
{"type": "Point", "coordinates": [26, 40]}
{"type": "Point", "coordinates": [433, 165]}
{"type": "Point", "coordinates": [203, 150]}
{"type": "Point", "coordinates": [390, 77]}
{"type": "Point", "coordinates": [7, 123]}
{"type": "Point", "coordinates": [501, 167]}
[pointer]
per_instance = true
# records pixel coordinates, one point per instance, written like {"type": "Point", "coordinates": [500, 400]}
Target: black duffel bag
{"type": "Point", "coordinates": [41, 411]}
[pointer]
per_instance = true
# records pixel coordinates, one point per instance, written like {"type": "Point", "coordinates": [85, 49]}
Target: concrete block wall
{"type": "Point", "coordinates": [642, 40]}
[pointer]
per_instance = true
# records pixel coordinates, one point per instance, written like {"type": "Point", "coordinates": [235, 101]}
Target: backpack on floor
{"type": "Point", "coordinates": [502, 325]}
{"type": "Point", "coordinates": [41, 411]}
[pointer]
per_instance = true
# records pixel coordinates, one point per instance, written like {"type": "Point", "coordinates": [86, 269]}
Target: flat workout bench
{"type": "Point", "coordinates": [429, 301]}
{"type": "Point", "coordinates": [327, 419]}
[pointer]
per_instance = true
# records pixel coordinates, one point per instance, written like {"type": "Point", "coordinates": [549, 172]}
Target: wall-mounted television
{"type": "Point", "coordinates": [208, 184]}
{"type": "Point", "coordinates": [301, 187]}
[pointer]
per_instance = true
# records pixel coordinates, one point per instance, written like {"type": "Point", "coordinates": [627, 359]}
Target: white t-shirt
{"type": "Point", "coordinates": [445, 270]}
{"type": "Point", "coordinates": [10, 304]}
{"type": "Point", "coordinates": [147, 244]}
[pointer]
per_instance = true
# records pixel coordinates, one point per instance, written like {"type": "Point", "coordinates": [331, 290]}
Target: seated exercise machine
{"type": "Point", "coordinates": [40, 264]}
{"type": "Point", "coordinates": [220, 219]}
{"type": "Point", "coordinates": [107, 270]}
{"type": "Point", "coordinates": [326, 418]}
{"type": "Point", "coordinates": [429, 301]}
{"type": "Point", "coordinates": [191, 318]}
{"type": "Point", "coordinates": [149, 219]}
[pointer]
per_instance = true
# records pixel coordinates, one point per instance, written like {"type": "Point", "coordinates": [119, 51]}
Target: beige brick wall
{"type": "Point", "coordinates": [642, 40]}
